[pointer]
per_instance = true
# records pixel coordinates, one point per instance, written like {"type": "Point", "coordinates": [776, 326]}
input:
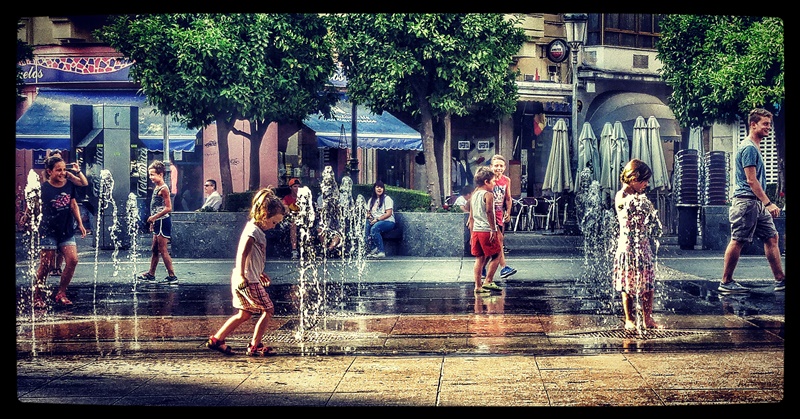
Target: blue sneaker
{"type": "Point", "coordinates": [507, 271]}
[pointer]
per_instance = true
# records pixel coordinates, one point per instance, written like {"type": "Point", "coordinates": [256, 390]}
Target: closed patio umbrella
{"type": "Point", "coordinates": [696, 140]}
{"type": "Point", "coordinates": [588, 155]}
{"type": "Point", "coordinates": [640, 148]}
{"type": "Point", "coordinates": [620, 154]}
{"type": "Point", "coordinates": [558, 175]}
{"type": "Point", "coordinates": [605, 155]}
{"type": "Point", "coordinates": [658, 164]}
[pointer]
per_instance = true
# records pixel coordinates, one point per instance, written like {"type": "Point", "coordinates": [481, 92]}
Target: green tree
{"type": "Point", "coordinates": [201, 68]}
{"type": "Point", "coordinates": [432, 66]}
{"type": "Point", "coordinates": [720, 67]}
{"type": "Point", "coordinates": [24, 54]}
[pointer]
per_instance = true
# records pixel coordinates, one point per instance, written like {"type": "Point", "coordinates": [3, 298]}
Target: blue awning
{"type": "Point", "coordinates": [383, 131]}
{"type": "Point", "coordinates": [46, 123]}
{"type": "Point", "coordinates": [174, 144]}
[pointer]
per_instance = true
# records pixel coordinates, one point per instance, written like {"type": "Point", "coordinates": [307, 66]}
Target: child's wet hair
{"type": "Point", "coordinates": [635, 170]}
{"type": "Point", "coordinates": [266, 204]}
{"type": "Point", "coordinates": [51, 161]}
{"type": "Point", "coordinates": [482, 175]}
{"type": "Point", "coordinates": [498, 157]}
{"type": "Point", "coordinates": [158, 166]}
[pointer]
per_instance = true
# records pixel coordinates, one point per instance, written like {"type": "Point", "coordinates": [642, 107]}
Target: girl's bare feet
{"type": "Point", "coordinates": [652, 325]}
{"type": "Point", "coordinates": [630, 325]}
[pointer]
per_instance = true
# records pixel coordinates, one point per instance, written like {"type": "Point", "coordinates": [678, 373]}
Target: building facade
{"type": "Point", "coordinates": [617, 80]}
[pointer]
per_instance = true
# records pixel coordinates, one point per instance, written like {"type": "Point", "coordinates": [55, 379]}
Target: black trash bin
{"type": "Point", "coordinates": [687, 225]}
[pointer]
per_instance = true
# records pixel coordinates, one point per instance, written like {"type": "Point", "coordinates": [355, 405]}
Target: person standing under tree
{"type": "Point", "coordinates": [484, 237]}
{"type": "Point", "coordinates": [160, 223]}
{"type": "Point", "coordinates": [248, 280]}
{"type": "Point", "coordinates": [290, 202]}
{"type": "Point", "coordinates": [57, 229]}
{"type": "Point", "coordinates": [634, 266]}
{"type": "Point", "coordinates": [751, 212]}
{"type": "Point", "coordinates": [502, 209]}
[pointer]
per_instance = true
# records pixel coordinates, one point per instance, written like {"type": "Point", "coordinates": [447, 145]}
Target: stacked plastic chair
{"type": "Point", "coordinates": [715, 189]}
{"type": "Point", "coordinates": [686, 192]}
{"type": "Point", "coordinates": [686, 186]}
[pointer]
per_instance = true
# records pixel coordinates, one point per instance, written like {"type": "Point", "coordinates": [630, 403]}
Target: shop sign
{"type": "Point", "coordinates": [557, 51]}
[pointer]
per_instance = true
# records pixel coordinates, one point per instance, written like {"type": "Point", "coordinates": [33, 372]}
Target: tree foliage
{"type": "Point", "coordinates": [430, 65]}
{"type": "Point", "coordinates": [721, 67]}
{"type": "Point", "coordinates": [204, 68]}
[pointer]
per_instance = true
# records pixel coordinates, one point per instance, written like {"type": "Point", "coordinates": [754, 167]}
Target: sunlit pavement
{"type": "Point", "coordinates": [404, 331]}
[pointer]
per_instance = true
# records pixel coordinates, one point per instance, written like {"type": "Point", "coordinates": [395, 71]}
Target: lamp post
{"type": "Point", "coordinates": [353, 163]}
{"type": "Point", "coordinates": [575, 28]}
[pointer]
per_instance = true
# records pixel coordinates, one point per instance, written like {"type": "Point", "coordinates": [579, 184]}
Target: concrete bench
{"type": "Point", "coordinates": [392, 239]}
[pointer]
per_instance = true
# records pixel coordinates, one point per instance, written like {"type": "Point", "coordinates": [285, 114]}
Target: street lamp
{"type": "Point", "coordinates": [575, 27]}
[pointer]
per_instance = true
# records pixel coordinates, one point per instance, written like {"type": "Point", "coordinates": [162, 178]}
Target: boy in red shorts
{"type": "Point", "coordinates": [485, 238]}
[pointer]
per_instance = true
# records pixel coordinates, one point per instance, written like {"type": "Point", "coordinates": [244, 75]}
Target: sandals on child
{"type": "Point", "coordinates": [38, 302]}
{"type": "Point", "coordinates": [260, 350]}
{"type": "Point", "coordinates": [63, 300]}
{"type": "Point", "coordinates": [218, 345]}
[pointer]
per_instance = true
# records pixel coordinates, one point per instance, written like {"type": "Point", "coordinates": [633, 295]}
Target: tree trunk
{"type": "Point", "coordinates": [223, 129]}
{"type": "Point", "coordinates": [431, 168]}
{"type": "Point", "coordinates": [256, 136]}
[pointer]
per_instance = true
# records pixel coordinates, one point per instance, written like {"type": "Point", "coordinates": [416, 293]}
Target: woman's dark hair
{"type": "Point", "coordinates": [51, 161]}
{"type": "Point", "coordinates": [375, 195]}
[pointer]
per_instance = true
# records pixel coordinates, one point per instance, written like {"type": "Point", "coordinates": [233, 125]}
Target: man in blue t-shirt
{"type": "Point", "coordinates": [751, 211]}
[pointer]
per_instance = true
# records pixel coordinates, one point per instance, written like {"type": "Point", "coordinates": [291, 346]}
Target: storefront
{"type": "Point", "coordinates": [385, 145]}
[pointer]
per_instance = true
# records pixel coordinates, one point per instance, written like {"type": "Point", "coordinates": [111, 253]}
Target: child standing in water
{"type": "Point", "coordinates": [485, 236]}
{"type": "Point", "coordinates": [502, 210]}
{"type": "Point", "coordinates": [248, 280]}
{"type": "Point", "coordinates": [160, 223]}
{"type": "Point", "coordinates": [57, 229]}
{"type": "Point", "coordinates": [634, 268]}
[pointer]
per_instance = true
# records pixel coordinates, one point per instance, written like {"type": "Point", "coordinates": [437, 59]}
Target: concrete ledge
{"type": "Point", "coordinates": [209, 235]}
{"type": "Point", "coordinates": [215, 235]}
{"type": "Point", "coordinates": [433, 234]}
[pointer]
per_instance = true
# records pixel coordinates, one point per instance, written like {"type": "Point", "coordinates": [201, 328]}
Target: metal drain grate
{"type": "Point", "coordinates": [287, 336]}
{"type": "Point", "coordinates": [623, 334]}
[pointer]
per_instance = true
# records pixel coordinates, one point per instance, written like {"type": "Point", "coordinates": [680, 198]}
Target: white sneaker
{"type": "Point", "coordinates": [379, 255]}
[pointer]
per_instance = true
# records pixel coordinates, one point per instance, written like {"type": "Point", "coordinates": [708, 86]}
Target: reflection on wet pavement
{"type": "Point", "coordinates": [525, 317]}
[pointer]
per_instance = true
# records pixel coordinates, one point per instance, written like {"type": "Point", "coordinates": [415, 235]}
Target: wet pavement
{"type": "Point", "coordinates": [404, 331]}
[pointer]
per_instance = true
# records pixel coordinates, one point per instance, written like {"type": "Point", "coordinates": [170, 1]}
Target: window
{"type": "Point", "coordinates": [640, 30]}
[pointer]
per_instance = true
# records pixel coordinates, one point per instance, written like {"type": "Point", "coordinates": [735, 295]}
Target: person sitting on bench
{"type": "Point", "coordinates": [380, 218]}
